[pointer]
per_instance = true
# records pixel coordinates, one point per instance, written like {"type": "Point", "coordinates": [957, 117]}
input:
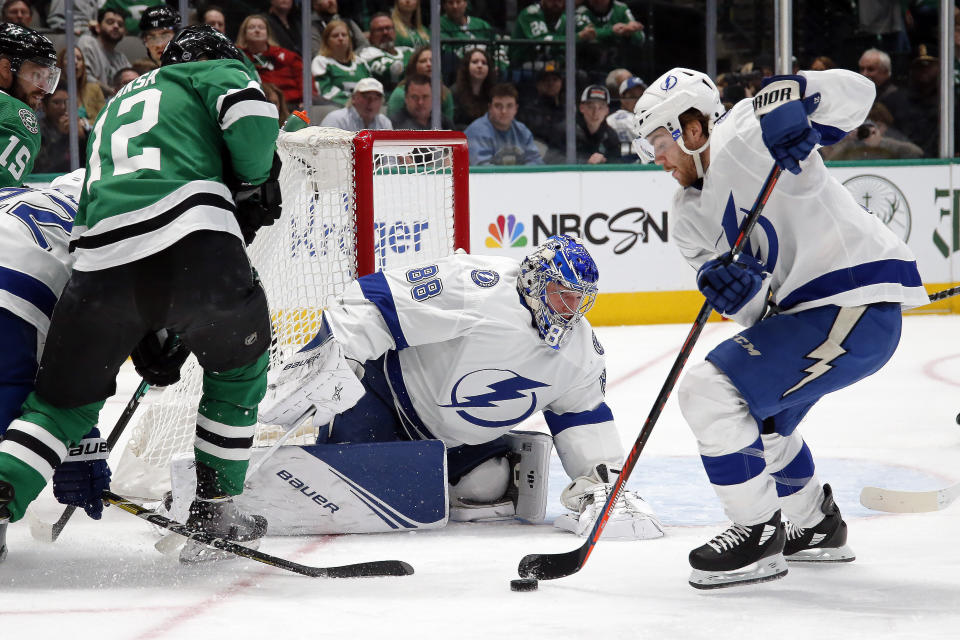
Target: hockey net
{"type": "Point", "coordinates": [353, 203]}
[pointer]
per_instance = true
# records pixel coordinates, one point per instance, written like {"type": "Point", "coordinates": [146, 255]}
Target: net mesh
{"type": "Point", "coordinates": [311, 253]}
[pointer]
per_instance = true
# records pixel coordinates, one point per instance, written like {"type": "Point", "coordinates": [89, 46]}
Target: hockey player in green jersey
{"type": "Point", "coordinates": [180, 172]}
{"type": "Point", "coordinates": [28, 71]}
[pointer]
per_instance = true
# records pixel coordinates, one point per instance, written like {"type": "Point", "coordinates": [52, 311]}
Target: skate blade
{"type": "Point", "coordinates": [833, 554]}
{"type": "Point", "coordinates": [196, 553]}
{"type": "Point", "coordinates": [765, 570]}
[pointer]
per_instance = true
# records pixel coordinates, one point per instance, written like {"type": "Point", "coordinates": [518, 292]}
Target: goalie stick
{"type": "Point", "coordinates": [357, 570]}
{"type": "Point", "coordinates": [549, 566]}
{"type": "Point", "coordinates": [46, 532]}
{"type": "Point", "coordinates": [894, 501]}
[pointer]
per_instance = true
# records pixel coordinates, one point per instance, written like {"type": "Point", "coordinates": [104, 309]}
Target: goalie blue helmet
{"type": "Point", "coordinates": [558, 282]}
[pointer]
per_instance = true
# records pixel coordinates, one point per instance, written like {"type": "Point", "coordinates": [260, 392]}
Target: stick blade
{"type": "Point", "coordinates": [550, 566]}
{"type": "Point", "coordinates": [893, 501]}
{"type": "Point", "coordinates": [378, 568]}
{"type": "Point", "coordinates": [39, 530]}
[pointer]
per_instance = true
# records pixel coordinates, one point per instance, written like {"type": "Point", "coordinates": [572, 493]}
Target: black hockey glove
{"type": "Point", "coordinates": [258, 205]}
{"type": "Point", "coordinates": [158, 358]}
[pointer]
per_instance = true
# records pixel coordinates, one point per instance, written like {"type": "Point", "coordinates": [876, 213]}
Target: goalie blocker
{"type": "Point", "coordinates": [375, 487]}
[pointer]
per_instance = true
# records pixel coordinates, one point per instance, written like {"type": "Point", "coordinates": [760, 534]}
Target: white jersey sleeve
{"type": "Point", "coordinates": [35, 263]}
{"type": "Point", "coordinates": [845, 98]}
{"type": "Point", "coordinates": [818, 244]}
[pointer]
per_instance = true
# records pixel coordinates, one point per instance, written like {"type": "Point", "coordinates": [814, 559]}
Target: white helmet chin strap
{"type": "Point", "coordinates": [695, 153]}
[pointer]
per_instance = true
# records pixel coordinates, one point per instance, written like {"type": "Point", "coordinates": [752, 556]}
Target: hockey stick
{"type": "Point", "coordinates": [548, 566]}
{"type": "Point", "coordinates": [358, 570]}
{"type": "Point", "coordinates": [46, 532]}
{"type": "Point", "coordinates": [894, 501]}
{"type": "Point", "coordinates": [946, 293]}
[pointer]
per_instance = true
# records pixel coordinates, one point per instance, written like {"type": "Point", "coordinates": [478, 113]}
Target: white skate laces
{"type": "Point", "coordinates": [730, 538]}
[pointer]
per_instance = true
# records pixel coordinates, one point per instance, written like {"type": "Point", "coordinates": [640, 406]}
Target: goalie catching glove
{"type": "Point", "coordinates": [630, 519]}
{"type": "Point", "coordinates": [317, 376]}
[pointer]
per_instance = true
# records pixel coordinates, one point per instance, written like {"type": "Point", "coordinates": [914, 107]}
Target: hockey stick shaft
{"type": "Point", "coordinates": [358, 570]}
{"type": "Point", "coordinates": [946, 293]}
{"type": "Point", "coordinates": [551, 566]}
{"type": "Point", "coordinates": [57, 528]}
{"type": "Point", "coordinates": [893, 501]}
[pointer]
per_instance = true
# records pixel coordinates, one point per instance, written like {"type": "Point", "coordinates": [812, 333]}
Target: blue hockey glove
{"type": "Point", "coordinates": [83, 475]}
{"type": "Point", "coordinates": [784, 121]}
{"type": "Point", "coordinates": [728, 286]}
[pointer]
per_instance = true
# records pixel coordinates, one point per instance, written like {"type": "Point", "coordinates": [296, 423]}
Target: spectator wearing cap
{"type": "Point", "coordinates": [158, 25]}
{"type": "Point", "coordinates": [545, 114]}
{"type": "Point", "coordinates": [273, 63]}
{"type": "Point", "coordinates": [100, 50]}
{"type": "Point", "coordinates": [362, 111]}
{"type": "Point", "coordinates": [597, 143]}
{"type": "Point", "coordinates": [622, 120]}
{"type": "Point", "coordinates": [497, 138]}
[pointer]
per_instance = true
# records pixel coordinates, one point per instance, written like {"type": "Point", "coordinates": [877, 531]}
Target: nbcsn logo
{"type": "Point", "coordinates": [507, 232]}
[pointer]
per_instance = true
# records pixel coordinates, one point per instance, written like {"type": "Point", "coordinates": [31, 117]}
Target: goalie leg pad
{"type": "Point", "coordinates": [327, 489]}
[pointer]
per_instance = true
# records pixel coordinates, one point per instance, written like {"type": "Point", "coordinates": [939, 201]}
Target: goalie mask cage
{"type": "Point", "coordinates": [353, 203]}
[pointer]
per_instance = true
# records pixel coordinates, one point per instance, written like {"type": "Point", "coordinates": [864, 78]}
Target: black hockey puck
{"type": "Point", "coordinates": [958, 418]}
{"type": "Point", "coordinates": [524, 584]}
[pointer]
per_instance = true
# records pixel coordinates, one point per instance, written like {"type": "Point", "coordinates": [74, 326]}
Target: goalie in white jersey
{"type": "Point", "coordinates": [819, 286]}
{"type": "Point", "coordinates": [462, 350]}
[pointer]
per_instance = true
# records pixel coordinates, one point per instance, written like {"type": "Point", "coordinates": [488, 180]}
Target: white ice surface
{"type": "Point", "coordinates": [104, 580]}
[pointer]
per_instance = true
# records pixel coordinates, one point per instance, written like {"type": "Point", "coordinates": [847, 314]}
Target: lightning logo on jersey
{"type": "Point", "coordinates": [494, 398]}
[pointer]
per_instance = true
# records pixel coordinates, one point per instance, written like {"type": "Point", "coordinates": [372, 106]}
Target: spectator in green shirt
{"type": "Point", "coordinates": [409, 24]}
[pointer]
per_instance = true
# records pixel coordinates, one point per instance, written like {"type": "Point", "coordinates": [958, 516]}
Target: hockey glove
{"type": "Point", "coordinates": [158, 358]}
{"type": "Point", "coordinates": [84, 475]}
{"type": "Point", "coordinates": [259, 205]}
{"type": "Point", "coordinates": [727, 285]}
{"type": "Point", "coordinates": [784, 121]}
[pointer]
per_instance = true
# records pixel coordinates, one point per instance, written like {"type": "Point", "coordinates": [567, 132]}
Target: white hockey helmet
{"type": "Point", "coordinates": [69, 184]}
{"type": "Point", "coordinates": [666, 98]}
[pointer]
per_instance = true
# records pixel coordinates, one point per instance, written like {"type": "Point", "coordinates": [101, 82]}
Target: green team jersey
{"type": "Point", "coordinates": [474, 29]}
{"type": "Point", "coordinates": [386, 67]}
{"type": "Point", "coordinates": [618, 13]}
{"type": "Point", "coordinates": [155, 160]}
{"type": "Point", "coordinates": [131, 10]}
{"type": "Point", "coordinates": [532, 25]}
{"type": "Point", "coordinates": [335, 81]}
{"type": "Point", "coordinates": [19, 140]}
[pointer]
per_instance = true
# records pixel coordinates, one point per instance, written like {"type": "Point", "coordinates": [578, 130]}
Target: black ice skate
{"type": "Point", "coordinates": [740, 555]}
{"type": "Point", "coordinates": [826, 542]}
{"type": "Point", "coordinates": [222, 518]}
{"type": "Point", "coordinates": [6, 495]}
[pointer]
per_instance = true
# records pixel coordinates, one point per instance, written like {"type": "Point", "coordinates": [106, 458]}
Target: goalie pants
{"type": "Point", "coordinates": [204, 289]}
{"type": "Point", "coordinates": [375, 418]}
{"type": "Point", "coordinates": [745, 402]}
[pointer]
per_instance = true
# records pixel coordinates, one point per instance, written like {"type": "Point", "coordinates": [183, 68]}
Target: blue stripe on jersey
{"type": "Point", "coordinates": [323, 334]}
{"type": "Point", "coordinates": [408, 415]}
{"type": "Point", "coordinates": [903, 272]}
{"type": "Point", "coordinates": [376, 290]}
{"type": "Point", "coordinates": [560, 421]}
{"type": "Point", "coordinates": [829, 135]}
{"type": "Point", "coordinates": [736, 467]}
{"type": "Point", "coordinates": [28, 288]}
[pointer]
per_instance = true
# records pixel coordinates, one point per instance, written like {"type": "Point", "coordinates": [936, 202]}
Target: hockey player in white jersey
{"type": "Point", "coordinates": [35, 229]}
{"type": "Point", "coordinates": [819, 287]}
{"type": "Point", "coordinates": [462, 350]}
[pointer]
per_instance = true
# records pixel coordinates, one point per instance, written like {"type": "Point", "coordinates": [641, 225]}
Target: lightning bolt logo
{"type": "Point", "coordinates": [510, 386]}
{"type": "Point", "coordinates": [831, 348]}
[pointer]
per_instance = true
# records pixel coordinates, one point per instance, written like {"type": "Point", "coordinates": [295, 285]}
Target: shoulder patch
{"type": "Point", "coordinates": [596, 344]}
{"type": "Point", "coordinates": [29, 120]}
{"type": "Point", "coordinates": [484, 277]}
